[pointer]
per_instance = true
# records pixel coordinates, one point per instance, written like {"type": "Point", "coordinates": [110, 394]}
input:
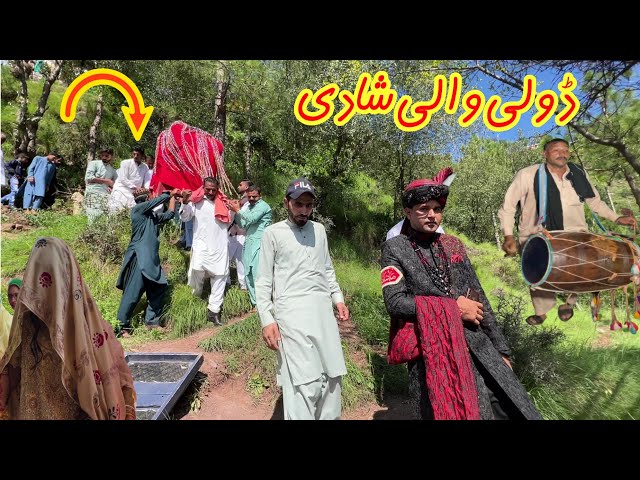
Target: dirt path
{"type": "Point", "coordinates": [223, 397]}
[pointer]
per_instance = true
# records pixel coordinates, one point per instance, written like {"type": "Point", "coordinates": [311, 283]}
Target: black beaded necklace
{"type": "Point", "coordinates": [440, 275]}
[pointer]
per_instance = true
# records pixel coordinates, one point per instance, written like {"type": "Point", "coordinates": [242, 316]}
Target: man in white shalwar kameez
{"type": "Point", "coordinates": [210, 248]}
{"type": "Point", "coordinates": [131, 175]}
{"type": "Point", "coordinates": [295, 289]}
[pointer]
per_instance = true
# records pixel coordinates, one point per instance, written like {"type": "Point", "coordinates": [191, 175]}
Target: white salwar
{"type": "Point", "coordinates": [236, 247]}
{"type": "Point", "coordinates": [295, 288]}
{"type": "Point", "coordinates": [209, 251]}
{"type": "Point", "coordinates": [130, 177]}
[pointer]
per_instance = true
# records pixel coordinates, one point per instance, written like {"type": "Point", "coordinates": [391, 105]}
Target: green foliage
{"type": "Point", "coordinates": [175, 262]}
{"type": "Point", "coordinates": [242, 335]}
{"type": "Point", "coordinates": [483, 175]}
{"type": "Point", "coordinates": [107, 237]}
{"type": "Point", "coordinates": [368, 214]}
{"type": "Point", "coordinates": [496, 272]}
{"type": "Point", "coordinates": [16, 251]}
{"type": "Point", "coordinates": [257, 385]}
{"type": "Point", "coordinates": [533, 351]}
{"type": "Point", "coordinates": [236, 302]}
{"type": "Point", "coordinates": [246, 353]}
{"type": "Point", "coordinates": [101, 279]}
{"type": "Point", "coordinates": [389, 379]}
{"type": "Point", "coordinates": [596, 383]}
{"type": "Point", "coordinates": [370, 317]}
{"type": "Point", "coordinates": [9, 85]}
{"type": "Point", "coordinates": [185, 314]}
{"type": "Point", "coordinates": [358, 385]}
{"type": "Point", "coordinates": [355, 270]}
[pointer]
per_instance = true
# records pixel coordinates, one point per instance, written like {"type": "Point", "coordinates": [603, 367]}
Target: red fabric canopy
{"type": "Point", "coordinates": [184, 156]}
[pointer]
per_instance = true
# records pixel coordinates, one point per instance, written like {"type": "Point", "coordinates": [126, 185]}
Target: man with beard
{"type": "Point", "coordinates": [210, 249]}
{"type": "Point", "coordinates": [559, 189]}
{"type": "Point", "coordinates": [295, 288]}
{"type": "Point", "coordinates": [131, 175]}
{"type": "Point", "coordinates": [254, 220]}
{"type": "Point", "coordinates": [99, 178]}
{"type": "Point", "coordinates": [237, 236]}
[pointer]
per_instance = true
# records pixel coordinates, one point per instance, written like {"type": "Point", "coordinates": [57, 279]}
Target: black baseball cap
{"type": "Point", "coordinates": [299, 186]}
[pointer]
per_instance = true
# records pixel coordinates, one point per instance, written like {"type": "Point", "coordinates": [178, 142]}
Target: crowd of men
{"type": "Point", "coordinates": [442, 324]}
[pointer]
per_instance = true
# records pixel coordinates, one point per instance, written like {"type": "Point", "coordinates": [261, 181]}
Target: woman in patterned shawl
{"type": "Point", "coordinates": [63, 360]}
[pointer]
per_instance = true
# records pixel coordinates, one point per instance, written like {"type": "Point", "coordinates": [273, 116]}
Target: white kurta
{"type": "Point", "coordinates": [295, 287]}
{"type": "Point", "coordinates": [147, 178]}
{"type": "Point", "coordinates": [130, 177]}
{"type": "Point", "coordinates": [210, 247]}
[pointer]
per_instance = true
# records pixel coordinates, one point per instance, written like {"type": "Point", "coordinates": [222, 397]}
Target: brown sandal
{"type": "Point", "coordinates": [534, 320]}
{"type": "Point", "coordinates": [565, 312]}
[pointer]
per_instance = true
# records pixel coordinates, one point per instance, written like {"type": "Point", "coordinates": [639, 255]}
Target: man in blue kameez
{"type": "Point", "coordinates": [39, 177]}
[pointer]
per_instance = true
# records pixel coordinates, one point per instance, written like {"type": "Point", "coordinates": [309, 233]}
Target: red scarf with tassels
{"type": "Point", "coordinates": [438, 335]}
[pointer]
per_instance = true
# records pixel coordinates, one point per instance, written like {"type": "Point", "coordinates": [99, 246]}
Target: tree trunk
{"type": "Point", "coordinates": [496, 230]}
{"type": "Point", "coordinates": [93, 131]}
{"type": "Point", "coordinates": [220, 108]}
{"type": "Point", "coordinates": [628, 175]}
{"type": "Point", "coordinates": [27, 126]}
{"type": "Point", "coordinates": [248, 154]}
{"type": "Point", "coordinates": [613, 207]}
{"type": "Point", "coordinates": [20, 71]}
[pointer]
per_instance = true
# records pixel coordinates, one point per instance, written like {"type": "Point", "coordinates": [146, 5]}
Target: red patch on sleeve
{"type": "Point", "coordinates": [390, 276]}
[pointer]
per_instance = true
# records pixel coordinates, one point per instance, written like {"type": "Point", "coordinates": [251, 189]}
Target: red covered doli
{"type": "Point", "coordinates": [185, 155]}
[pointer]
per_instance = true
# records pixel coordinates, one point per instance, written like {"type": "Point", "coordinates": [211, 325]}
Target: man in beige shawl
{"type": "Point", "coordinates": [63, 360]}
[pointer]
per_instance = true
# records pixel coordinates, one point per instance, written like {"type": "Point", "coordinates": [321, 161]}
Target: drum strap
{"type": "Point", "coordinates": [542, 198]}
{"type": "Point", "coordinates": [542, 194]}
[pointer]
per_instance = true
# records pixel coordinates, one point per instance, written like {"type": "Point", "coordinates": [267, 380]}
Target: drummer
{"type": "Point", "coordinates": [551, 196]}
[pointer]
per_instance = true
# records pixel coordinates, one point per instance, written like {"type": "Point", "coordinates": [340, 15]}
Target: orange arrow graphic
{"type": "Point", "coordinates": [136, 114]}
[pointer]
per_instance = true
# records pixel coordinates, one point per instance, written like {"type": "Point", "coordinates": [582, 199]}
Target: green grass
{"type": "Point", "coordinates": [591, 373]}
{"type": "Point", "coordinates": [370, 318]}
{"type": "Point", "coordinates": [244, 335]}
{"type": "Point", "coordinates": [99, 249]}
{"type": "Point", "coordinates": [101, 278]}
{"type": "Point", "coordinates": [236, 302]}
{"type": "Point", "coordinates": [358, 385]}
{"type": "Point", "coordinates": [246, 353]}
{"type": "Point", "coordinates": [16, 250]}
{"type": "Point", "coordinates": [389, 379]}
{"type": "Point", "coordinates": [185, 313]}
{"type": "Point", "coordinates": [597, 383]}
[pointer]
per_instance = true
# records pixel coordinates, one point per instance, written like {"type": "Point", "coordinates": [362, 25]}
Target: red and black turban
{"type": "Point", "coordinates": [421, 191]}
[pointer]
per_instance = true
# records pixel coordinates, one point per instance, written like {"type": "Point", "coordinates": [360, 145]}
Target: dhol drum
{"type": "Point", "coordinates": [578, 262]}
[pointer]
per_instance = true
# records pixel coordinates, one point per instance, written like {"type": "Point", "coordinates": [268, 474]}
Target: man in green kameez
{"type": "Point", "coordinates": [141, 271]}
{"type": "Point", "coordinates": [295, 289]}
{"type": "Point", "coordinates": [254, 220]}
